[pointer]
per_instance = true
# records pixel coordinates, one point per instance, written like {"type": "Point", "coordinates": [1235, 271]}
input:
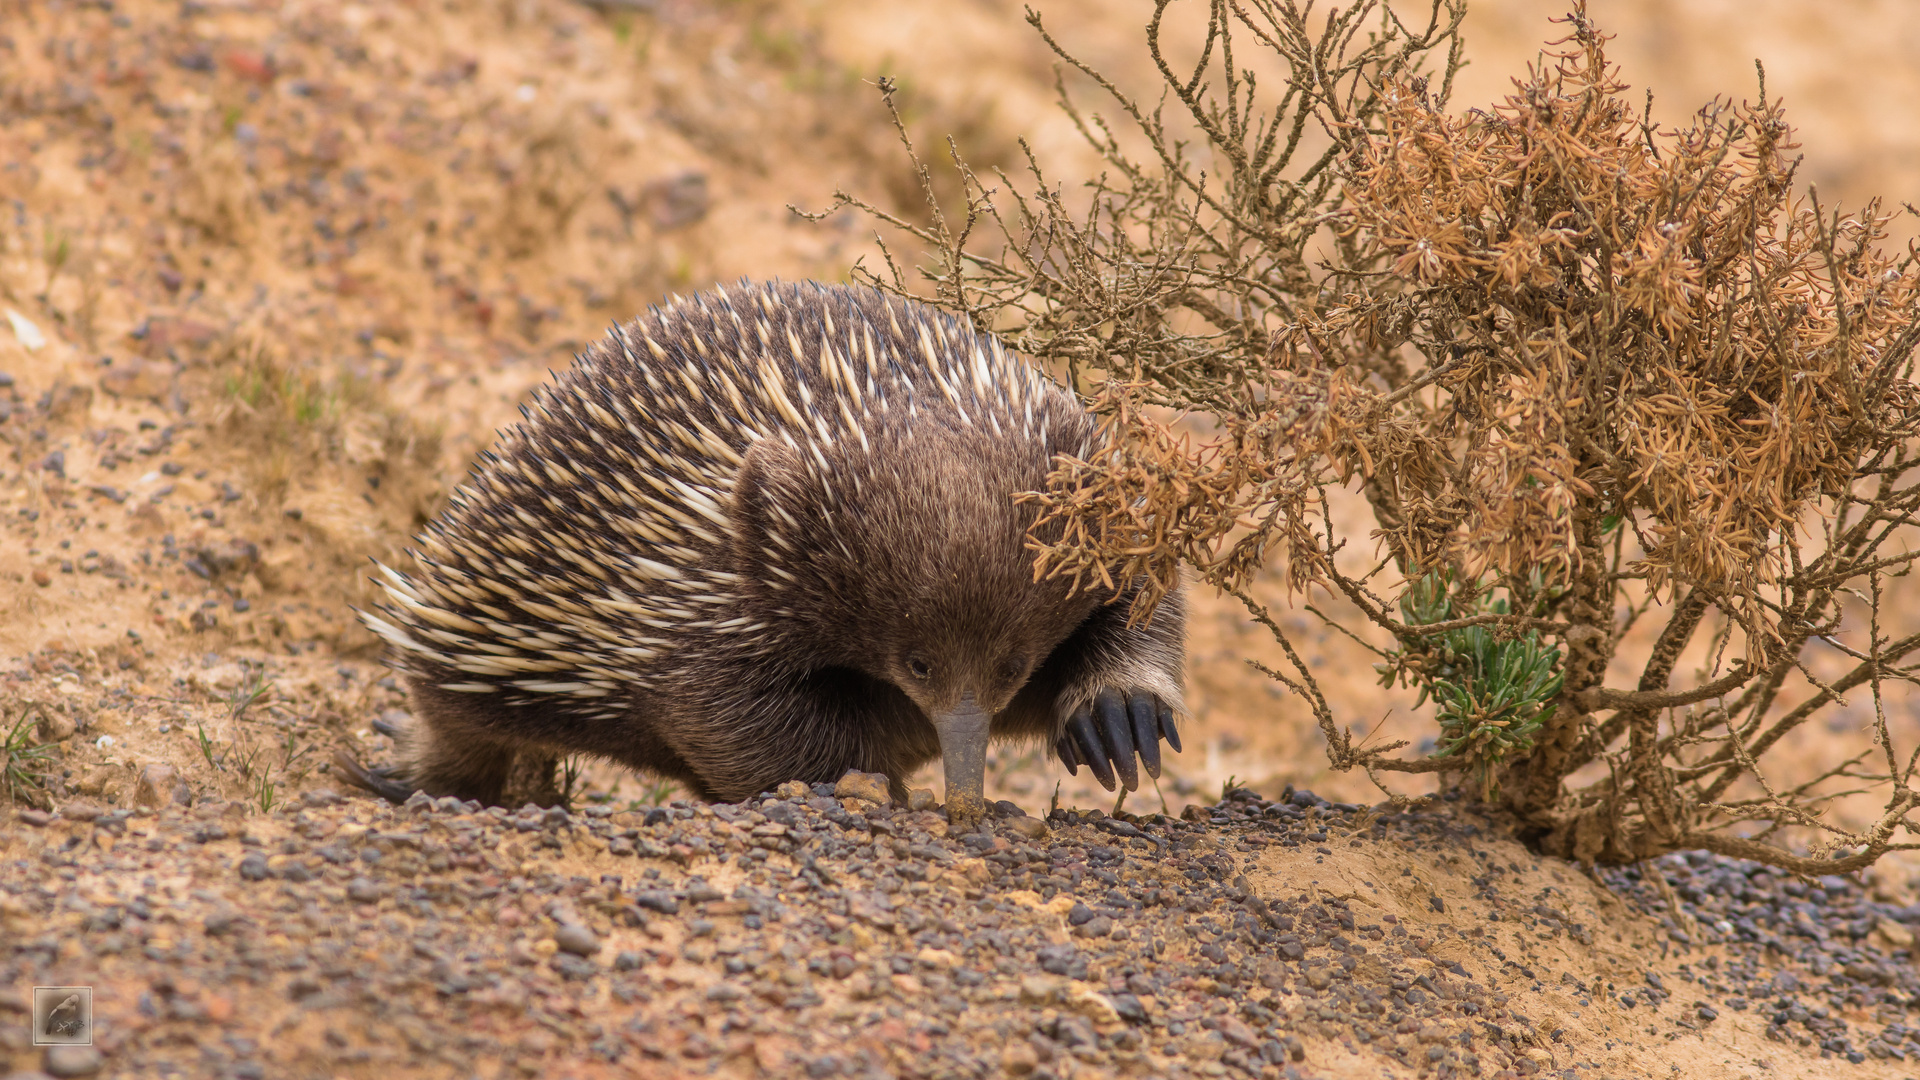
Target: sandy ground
{"type": "Point", "coordinates": [274, 272]}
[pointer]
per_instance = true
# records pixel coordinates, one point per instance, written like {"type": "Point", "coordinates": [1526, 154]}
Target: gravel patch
{"type": "Point", "coordinates": [818, 935]}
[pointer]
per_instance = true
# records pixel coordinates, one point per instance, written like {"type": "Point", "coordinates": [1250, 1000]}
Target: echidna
{"type": "Point", "coordinates": [764, 534]}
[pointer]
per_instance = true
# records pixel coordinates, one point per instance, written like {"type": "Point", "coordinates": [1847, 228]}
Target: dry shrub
{"type": "Point", "coordinates": [1588, 372]}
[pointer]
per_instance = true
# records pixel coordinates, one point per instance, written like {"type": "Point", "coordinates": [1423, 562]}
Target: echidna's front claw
{"type": "Point", "coordinates": [1092, 749]}
{"type": "Point", "coordinates": [1146, 731]}
{"type": "Point", "coordinates": [1126, 725]}
{"type": "Point", "coordinates": [1117, 732]}
{"type": "Point", "coordinates": [1069, 755]}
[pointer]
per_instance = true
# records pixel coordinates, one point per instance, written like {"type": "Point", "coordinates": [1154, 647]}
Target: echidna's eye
{"type": "Point", "coordinates": [920, 668]}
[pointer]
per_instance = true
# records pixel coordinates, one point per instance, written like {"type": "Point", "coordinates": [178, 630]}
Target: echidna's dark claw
{"type": "Point", "coordinates": [1116, 733]}
{"type": "Point", "coordinates": [1167, 729]}
{"type": "Point", "coordinates": [1091, 749]}
{"type": "Point", "coordinates": [378, 781]}
{"type": "Point", "coordinates": [1146, 731]}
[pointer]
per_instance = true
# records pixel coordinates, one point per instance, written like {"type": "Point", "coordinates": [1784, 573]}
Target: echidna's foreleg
{"type": "Point", "coordinates": [1110, 692]}
{"type": "Point", "coordinates": [813, 728]}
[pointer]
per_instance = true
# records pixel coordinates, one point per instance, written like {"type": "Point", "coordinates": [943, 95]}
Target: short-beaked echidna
{"type": "Point", "coordinates": [764, 534]}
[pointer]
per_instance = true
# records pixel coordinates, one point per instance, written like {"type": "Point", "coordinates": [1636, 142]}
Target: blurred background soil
{"type": "Point", "coordinates": [276, 271]}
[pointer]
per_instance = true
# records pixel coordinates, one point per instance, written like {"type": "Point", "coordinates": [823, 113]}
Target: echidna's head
{"type": "Point", "coordinates": [906, 559]}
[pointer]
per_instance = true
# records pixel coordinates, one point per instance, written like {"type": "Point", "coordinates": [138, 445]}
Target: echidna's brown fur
{"type": "Point", "coordinates": [758, 535]}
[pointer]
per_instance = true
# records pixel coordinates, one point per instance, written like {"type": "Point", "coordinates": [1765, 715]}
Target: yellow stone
{"type": "Point", "coordinates": [1041, 989]}
{"type": "Point", "coordinates": [1894, 934]}
{"type": "Point", "coordinates": [1090, 1003]}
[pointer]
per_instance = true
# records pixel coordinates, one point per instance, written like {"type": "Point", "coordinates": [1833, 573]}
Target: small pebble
{"type": "Point", "coordinates": [1031, 828]}
{"type": "Point", "coordinates": [72, 1060]}
{"type": "Point", "coordinates": [160, 784]}
{"type": "Point", "coordinates": [576, 939]}
{"type": "Point", "coordinates": [654, 900]}
{"type": "Point", "coordinates": [56, 727]}
{"type": "Point", "coordinates": [82, 810]}
{"type": "Point", "coordinates": [1129, 1008]}
{"type": "Point", "coordinates": [867, 787]}
{"type": "Point", "coordinates": [1098, 927]}
{"type": "Point", "coordinates": [1040, 989]}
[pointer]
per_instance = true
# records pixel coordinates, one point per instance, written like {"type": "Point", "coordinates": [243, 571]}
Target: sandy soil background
{"type": "Point", "coordinates": [274, 273]}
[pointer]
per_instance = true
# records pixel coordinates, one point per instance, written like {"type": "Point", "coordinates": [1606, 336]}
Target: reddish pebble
{"type": "Point", "coordinates": [250, 65]}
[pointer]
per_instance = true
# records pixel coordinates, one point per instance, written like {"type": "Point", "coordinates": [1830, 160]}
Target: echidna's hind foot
{"type": "Point", "coordinates": [473, 769]}
{"type": "Point", "coordinates": [459, 763]}
{"type": "Point", "coordinates": [508, 779]}
{"type": "Point", "coordinates": [380, 780]}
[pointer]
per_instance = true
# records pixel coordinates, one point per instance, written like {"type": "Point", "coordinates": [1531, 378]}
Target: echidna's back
{"type": "Point", "coordinates": [590, 540]}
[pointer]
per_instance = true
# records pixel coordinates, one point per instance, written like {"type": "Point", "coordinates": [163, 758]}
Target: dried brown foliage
{"type": "Point", "coordinates": [1587, 371]}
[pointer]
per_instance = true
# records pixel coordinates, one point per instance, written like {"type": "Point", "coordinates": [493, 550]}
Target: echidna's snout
{"type": "Point", "coordinates": [960, 683]}
{"type": "Point", "coordinates": [963, 752]}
